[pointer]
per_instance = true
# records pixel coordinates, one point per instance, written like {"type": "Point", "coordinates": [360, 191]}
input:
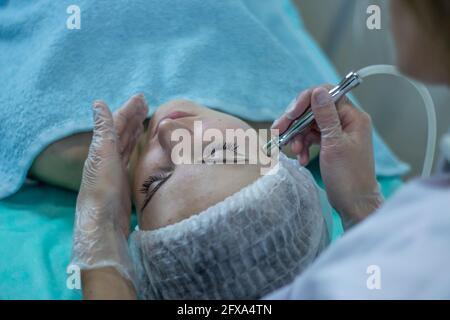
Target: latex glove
{"type": "Point", "coordinates": [102, 218]}
{"type": "Point", "coordinates": [346, 153]}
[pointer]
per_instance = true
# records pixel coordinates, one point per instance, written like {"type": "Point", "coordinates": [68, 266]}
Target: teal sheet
{"type": "Point", "coordinates": [35, 240]}
{"type": "Point", "coordinates": [35, 243]}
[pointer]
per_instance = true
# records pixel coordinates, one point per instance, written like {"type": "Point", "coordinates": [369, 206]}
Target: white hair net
{"type": "Point", "coordinates": [244, 247]}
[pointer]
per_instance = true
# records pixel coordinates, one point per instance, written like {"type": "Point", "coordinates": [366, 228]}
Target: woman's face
{"type": "Point", "coordinates": [165, 192]}
{"type": "Point", "coordinates": [420, 54]}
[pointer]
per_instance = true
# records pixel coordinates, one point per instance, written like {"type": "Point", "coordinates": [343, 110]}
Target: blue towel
{"type": "Point", "coordinates": [218, 53]}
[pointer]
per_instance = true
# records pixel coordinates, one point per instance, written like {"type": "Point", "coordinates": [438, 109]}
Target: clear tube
{"type": "Point", "coordinates": [429, 106]}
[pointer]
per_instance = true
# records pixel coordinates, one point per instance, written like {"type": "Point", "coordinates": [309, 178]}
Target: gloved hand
{"type": "Point", "coordinates": [102, 218]}
{"type": "Point", "coordinates": [346, 154]}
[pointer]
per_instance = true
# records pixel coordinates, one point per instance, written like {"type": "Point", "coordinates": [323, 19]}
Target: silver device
{"type": "Point", "coordinates": [352, 80]}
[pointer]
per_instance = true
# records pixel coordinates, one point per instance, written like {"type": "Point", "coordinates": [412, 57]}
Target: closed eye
{"type": "Point", "coordinates": [219, 154]}
{"type": "Point", "coordinates": [151, 186]}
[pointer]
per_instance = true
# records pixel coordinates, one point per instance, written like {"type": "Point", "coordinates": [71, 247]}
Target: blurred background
{"type": "Point", "coordinates": [339, 26]}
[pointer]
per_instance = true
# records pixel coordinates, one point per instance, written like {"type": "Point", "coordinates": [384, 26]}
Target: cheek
{"type": "Point", "coordinates": [170, 205]}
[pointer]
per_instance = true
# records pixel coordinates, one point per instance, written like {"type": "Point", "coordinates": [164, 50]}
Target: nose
{"type": "Point", "coordinates": [172, 131]}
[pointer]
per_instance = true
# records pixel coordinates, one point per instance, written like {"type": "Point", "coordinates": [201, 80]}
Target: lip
{"type": "Point", "coordinates": [173, 115]}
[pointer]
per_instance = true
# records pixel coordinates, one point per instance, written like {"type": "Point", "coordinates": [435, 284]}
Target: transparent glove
{"type": "Point", "coordinates": [102, 218]}
{"type": "Point", "coordinates": [346, 153]}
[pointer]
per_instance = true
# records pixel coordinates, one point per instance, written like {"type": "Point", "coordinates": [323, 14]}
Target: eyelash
{"type": "Point", "coordinates": [145, 189]}
{"type": "Point", "coordinates": [226, 146]}
{"type": "Point", "coordinates": [150, 180]}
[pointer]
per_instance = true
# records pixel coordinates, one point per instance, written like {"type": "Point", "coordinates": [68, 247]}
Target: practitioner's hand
{"type": "Point", "coordinates": [103, 208]}
{"type": "Point", "coordinates": [346, 155]}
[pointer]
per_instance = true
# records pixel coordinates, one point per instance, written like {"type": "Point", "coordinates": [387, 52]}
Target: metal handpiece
{"type": "Point", "coordinates": [351, 81]}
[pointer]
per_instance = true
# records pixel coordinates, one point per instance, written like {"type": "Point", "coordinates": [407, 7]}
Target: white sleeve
{"type": "Point", "coordinates": [400, 252]}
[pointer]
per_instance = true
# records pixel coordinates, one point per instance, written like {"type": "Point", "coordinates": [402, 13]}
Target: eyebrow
{"type": "Point", "coordinates": [146, 185]}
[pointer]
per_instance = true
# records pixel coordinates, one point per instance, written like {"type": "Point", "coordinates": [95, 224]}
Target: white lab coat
{"type": "Point", "coordinates": [401, 252]}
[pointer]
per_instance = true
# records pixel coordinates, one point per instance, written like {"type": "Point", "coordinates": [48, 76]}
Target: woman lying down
{"type": "Point", "coordinates": [205, 230]}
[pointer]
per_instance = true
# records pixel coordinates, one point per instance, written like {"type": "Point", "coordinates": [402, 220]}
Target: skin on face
{"type": "Point", "coordinates": [420, 53]}
{"type": "Point", "coordinates": [190, 188]}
